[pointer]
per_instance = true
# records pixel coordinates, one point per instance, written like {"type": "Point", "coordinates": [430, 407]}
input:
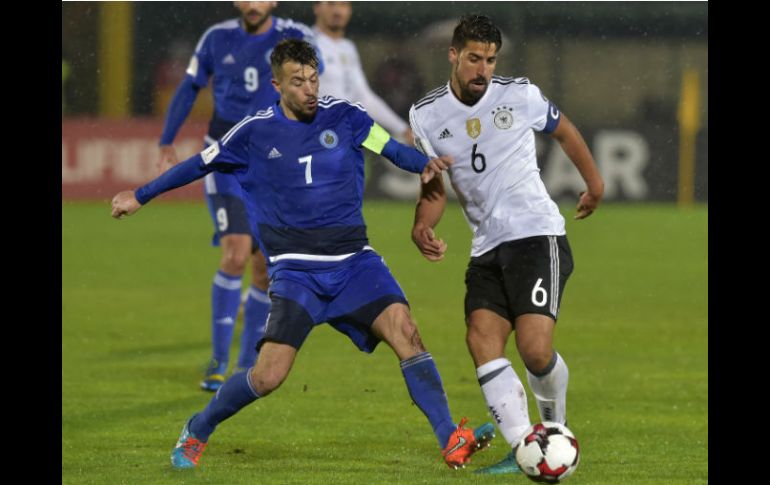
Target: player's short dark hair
{"type": "Point", "coordinates": [295, 50]}
{"type": "Point", "coordinates": [475, 27]}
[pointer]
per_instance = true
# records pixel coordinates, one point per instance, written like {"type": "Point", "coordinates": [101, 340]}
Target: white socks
{"type": "Point", "coordinates": [550, 390]}
{"type": "Point", "coordinates": [505, 397]}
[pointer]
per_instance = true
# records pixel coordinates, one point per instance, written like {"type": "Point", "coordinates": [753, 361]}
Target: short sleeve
{"type": "Point", "coordinates": [360, 122]}
{"type": "Point", "coordinates": [420, 140]}
{"type": "Point", "coordinates": [543, 115]}
{"type": "Point", "coordinates": [232, 150]}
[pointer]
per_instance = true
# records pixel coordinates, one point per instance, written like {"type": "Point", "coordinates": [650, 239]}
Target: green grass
{"type": "Point", "coordinates": [135, 337]}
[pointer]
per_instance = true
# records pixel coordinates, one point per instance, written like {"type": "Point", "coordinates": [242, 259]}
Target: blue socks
{"type": "Point", "coordinates": [225, 300]}
{"type": "Point", "coordinates": [254, 319]}
{"type": "Point", "coordinates": [427, 392]}
{"type": "Point", "coordinates": [235, 394]}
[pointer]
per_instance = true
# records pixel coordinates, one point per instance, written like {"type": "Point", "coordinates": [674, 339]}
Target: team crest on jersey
{"type": "Point", "coordinates": [329, 139]}
{"type": "Point", "coordinates": [503, 117]}
{"type": "Point", "coordinates": [473, 127]}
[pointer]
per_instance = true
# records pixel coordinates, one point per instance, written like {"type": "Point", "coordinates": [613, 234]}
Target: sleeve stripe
{"type": "Point", "coordinates": [227, 24]}
{"type": "Point", "coordinates": [267, 114]}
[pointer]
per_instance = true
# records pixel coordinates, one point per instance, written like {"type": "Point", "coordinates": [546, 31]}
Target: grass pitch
{"type": "Point", "coordinates": [135, 337]}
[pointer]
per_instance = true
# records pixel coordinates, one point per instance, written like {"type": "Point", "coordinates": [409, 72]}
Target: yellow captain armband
{"type": "Point", "coordinates": [376, 139]}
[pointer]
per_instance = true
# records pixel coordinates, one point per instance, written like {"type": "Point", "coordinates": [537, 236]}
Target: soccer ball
{"type": "Point", "coordinates": [548, 452]}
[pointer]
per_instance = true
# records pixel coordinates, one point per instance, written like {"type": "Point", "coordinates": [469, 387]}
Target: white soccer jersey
{"type": "Point", "coordinates": [495, 172]}
{"type": "Point", "coordinates": [343, 77]}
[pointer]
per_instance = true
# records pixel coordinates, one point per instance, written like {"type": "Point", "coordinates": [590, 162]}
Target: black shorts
{"type": "Point", "coordinates": [518, 277]}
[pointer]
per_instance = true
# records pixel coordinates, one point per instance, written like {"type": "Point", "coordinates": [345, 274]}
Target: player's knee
{"type": "Point", "coordinates": [409, 331]}
{"type": "Point", "coordinates": [265, 381]}
{"type": "Point", "coordinates": [234, 260]}
{"type": "Point", "coordinates": [484, 346]}
{"type": "Point", "coordinates": [537, 357]}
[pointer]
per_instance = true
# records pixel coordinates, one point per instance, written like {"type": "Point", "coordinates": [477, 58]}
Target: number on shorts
{"type": "Point", "coordinates": [537, 291]}
{"type": "Point", "coordinates": [222, 219]}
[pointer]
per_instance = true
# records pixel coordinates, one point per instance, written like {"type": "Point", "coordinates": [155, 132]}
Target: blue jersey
{"type": "Point", "coordinates": [303, 183]}
{"type": "Point", "coordinates": [240, 65]}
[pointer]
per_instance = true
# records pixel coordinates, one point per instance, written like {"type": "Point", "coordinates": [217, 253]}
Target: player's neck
{"type": "Point", "coordinates": [291, 115]}
{"type": "Point", "coordinates": [334, 34]}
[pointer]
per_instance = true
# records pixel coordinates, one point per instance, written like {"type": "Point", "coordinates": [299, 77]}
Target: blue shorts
{"type": "Point", "coordinates": [229, 215]}
{"type": "Point", "coordinates": [350, 296]}
{"type": "Point", "coordinates": [226, 207]}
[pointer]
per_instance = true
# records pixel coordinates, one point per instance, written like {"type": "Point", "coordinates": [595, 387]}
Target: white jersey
{"type": "Point", "coordinates": [344, 78]}
{"type": "Point", "coordinates": [495, 172]}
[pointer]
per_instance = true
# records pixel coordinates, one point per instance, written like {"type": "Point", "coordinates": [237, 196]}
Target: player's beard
{"type": "Point", "coordinates": [467, 94]}
{"type": "Point", "coordinates": [251, 28]}
{"type": "Point", "coordinates": [304, 111]}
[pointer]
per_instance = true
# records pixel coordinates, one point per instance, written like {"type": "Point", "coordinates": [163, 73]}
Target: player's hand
{"type": "Point", "coordinates": [435, 166]}
{"type": "Point", "coordinates": [425, 239]}
{"type": "Point", "coordinates": [124, 204]}
{"type": "Point", "coordinates": [586, 205]}
{"type": "Point", "coordinates": [168, 158]}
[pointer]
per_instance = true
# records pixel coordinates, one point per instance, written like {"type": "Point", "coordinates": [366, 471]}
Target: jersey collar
{"type": "Point", "coordinates": [464, 107]}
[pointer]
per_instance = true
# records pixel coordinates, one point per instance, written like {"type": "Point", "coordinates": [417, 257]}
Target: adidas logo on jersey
{"type": "Point", "coordinates": [445, 134]}
{"type": "Point", "coordinates": [229, 59]}
{"type": "Point", "coordinates": [274, 153]}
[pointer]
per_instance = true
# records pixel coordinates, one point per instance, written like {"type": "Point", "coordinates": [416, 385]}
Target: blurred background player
{"type": "Point", "coordinates": [520, 257]}
{"type": "Point", "coordinates": [343, 77]}
{"type": "Point", "coordinates": [236, 54]}
{"type": "Point", "coordinates": [308, 210]}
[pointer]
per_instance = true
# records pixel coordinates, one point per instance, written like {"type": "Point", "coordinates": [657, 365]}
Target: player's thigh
{"type": "Point", "coordinates": [259, 275]}
{"type": "Point", "coordinates": [535, 274]}
{"type": "Point", "coordinates": [534, 339]}
{"type": "Point", "coordinates": [273, 365]}
{"type": "Point", "coordinates": [487, 335]}
{"type": "Point", "coordinates": [484, 287]}
{"type": "Point", "coordinates": [368, 289]}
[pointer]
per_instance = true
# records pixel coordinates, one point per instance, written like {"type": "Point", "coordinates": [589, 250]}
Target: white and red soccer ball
{"type": "Point", "coordinates": [548, 452]}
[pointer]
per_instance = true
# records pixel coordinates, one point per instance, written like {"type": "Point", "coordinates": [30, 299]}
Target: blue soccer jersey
{"type": "Point", "coordinates": [302, 182]}
{"type": "Point", "coordinates": [239, 64]}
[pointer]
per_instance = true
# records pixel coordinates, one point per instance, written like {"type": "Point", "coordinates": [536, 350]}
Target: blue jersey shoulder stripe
{"type": "Point", "coordinates": [226, 25]}
{"type": "Point", "coordinates": [283, 24]}
{"type": "Point", "coordinates": [268, 113]}
{"type": "Point", "coordinates": [329, 101]}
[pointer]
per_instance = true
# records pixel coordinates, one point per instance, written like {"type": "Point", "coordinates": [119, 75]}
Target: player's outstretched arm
{"type": "Point", "coordinates": [576, 149]}
{"type": "Point", "coordinates": [129, 201]}
{"type": "Point", "coordinates": [427, 215]}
